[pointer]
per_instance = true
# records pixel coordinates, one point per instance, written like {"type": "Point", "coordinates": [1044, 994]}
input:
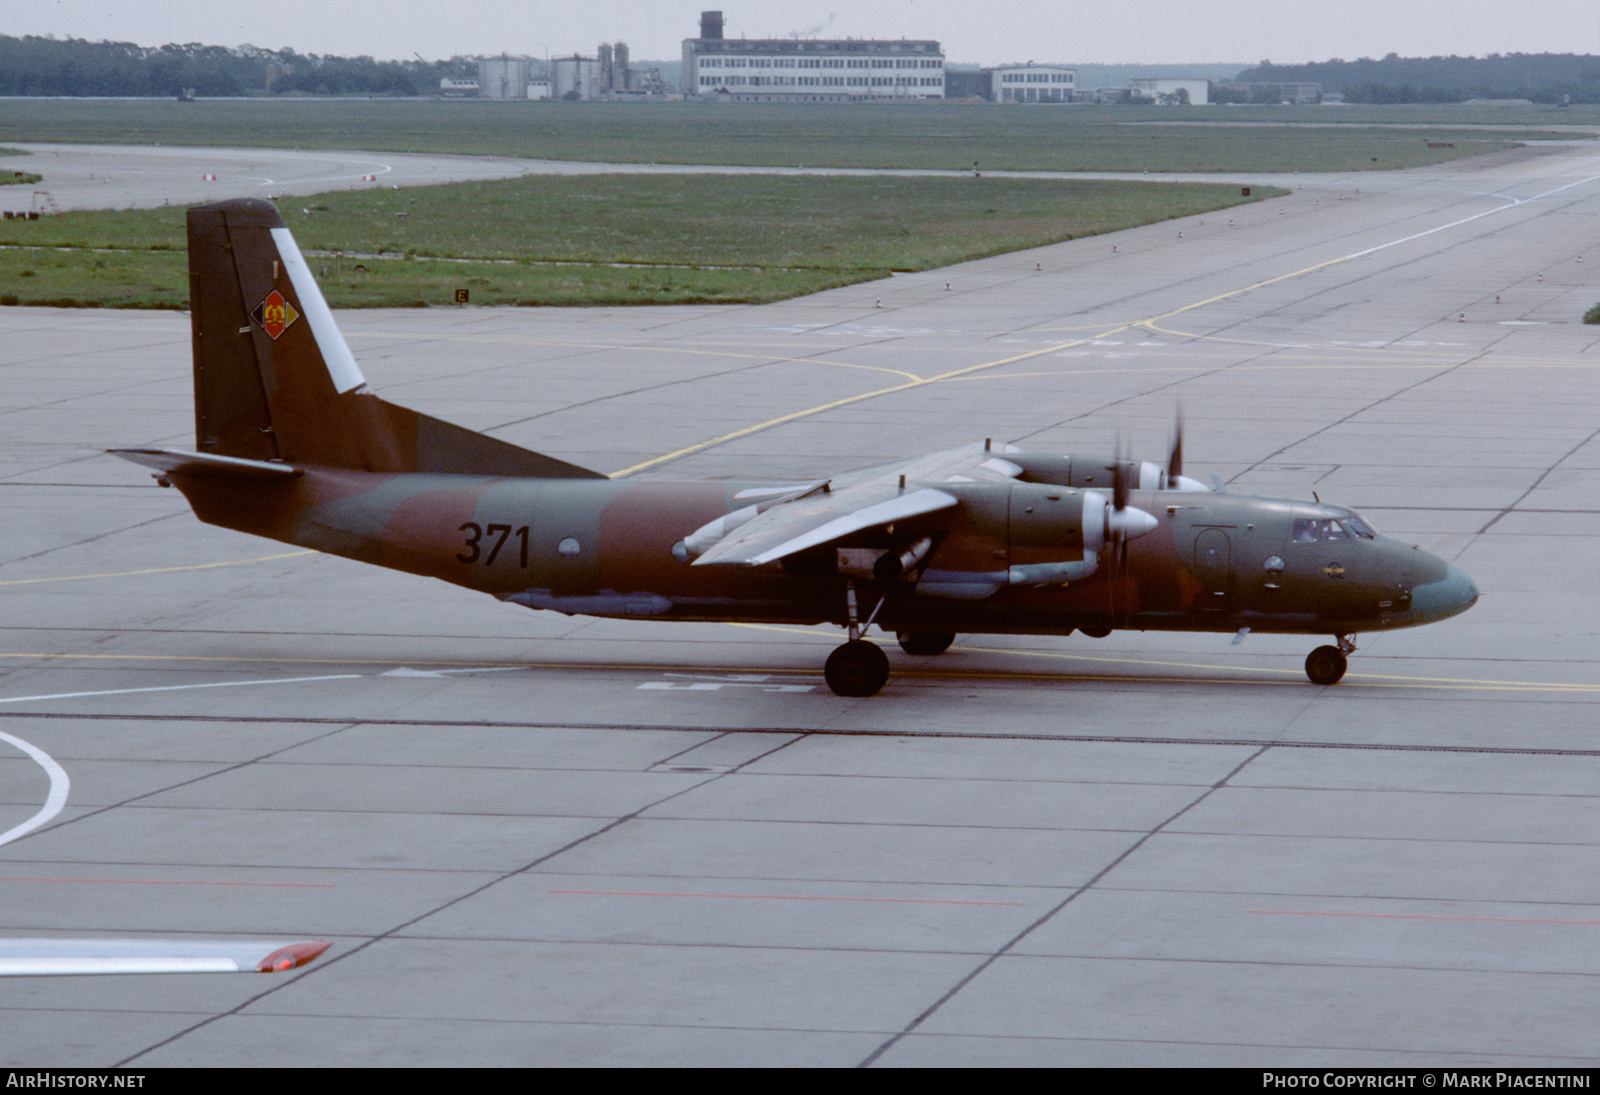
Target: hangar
{"type": "Point", "coordinates": [1031, 83]}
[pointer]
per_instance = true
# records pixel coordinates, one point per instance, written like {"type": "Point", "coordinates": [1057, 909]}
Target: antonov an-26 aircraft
{"type": "Point", "coordinates": [292, 445]}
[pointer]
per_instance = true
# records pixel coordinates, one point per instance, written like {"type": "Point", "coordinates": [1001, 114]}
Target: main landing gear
{"type": "Point", "coordinates": [925, 643]}
{"type": "Point", "coordinates": [1326, 664]}
{"type": "Point", "coordinates": [858, 668]}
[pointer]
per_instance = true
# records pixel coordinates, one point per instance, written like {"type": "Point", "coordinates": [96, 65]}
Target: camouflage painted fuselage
{"type": "Point", "coordinates": [605, 548]}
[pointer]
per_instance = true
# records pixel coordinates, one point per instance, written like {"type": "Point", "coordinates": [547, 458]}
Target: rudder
{"type": "Point", "coordinates": [275, 381]}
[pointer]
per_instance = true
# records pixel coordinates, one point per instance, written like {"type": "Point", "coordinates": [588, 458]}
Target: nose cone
{"type": "Point", "coordinates": [1131, 522]}
{"type": "Point", "coordinates": [1450, 596]}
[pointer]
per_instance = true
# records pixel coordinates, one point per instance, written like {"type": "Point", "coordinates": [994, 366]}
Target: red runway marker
{"type": "Point", "coordinates": [1421, 916]}
{"type": "Point", "coordinates": [787, 897]}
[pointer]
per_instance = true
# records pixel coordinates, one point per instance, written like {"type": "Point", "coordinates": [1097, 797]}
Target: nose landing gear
{"type": "Point", "coordinates": [1326, 664]}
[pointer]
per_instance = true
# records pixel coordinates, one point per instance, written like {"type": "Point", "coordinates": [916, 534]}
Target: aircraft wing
{"type": "Point", "coordinates": [42, 957]}
{"type": "Point", "coordinates": [854, 502]}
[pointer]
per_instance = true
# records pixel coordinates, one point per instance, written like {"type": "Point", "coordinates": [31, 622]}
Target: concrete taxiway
{"type": "Point", "coordinates": [86, 176]}
{"type": "Point", "coordinates": [89, 176]}
{"type": "Point", "coordinates": [536, 839]}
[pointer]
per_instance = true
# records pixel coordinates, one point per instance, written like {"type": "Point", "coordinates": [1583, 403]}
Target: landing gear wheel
{"type": "Point", "coordinates": [1095, 632]}
{"type": "Point", "coordinates": [925, 642]}
{"type": "Point", "coordinates": [1326, 664]}
{"type": "Point", "coordinates": [856, 669]}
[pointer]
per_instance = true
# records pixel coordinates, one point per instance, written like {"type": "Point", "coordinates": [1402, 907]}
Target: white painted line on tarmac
{"type": "Point", "coordinates": [177, 688]}
{"type": "Point", "coordinates": [60, 784]}
{"type": "Point", "coordinates": [699, 683]}
{"type": "Point", "coordinates": [407, 671]}
{"type": "Point", "coordinates": [1511, 203]}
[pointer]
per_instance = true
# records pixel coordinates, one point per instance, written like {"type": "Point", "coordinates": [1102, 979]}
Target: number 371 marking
{"type": "Point", "coordinates": [492, 537]}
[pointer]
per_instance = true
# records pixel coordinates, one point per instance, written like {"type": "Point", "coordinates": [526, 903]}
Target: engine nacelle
{"type": "Point", "coordinates": [1062, 524]}
{"type": "Point", "coordinates": [1096, 472]}
{"type": "Point", "coordinates": [704, 538]}
{"type": "Point", "coordinates": [1052, 534]}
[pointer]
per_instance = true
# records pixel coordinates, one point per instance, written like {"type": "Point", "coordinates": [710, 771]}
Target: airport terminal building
{"type": "Point", "coordinates": [807, 70]}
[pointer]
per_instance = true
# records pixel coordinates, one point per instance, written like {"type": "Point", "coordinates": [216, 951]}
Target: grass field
{"type": "Point", "coordinates": [913, 135]}
{"type": "Point", "coordinates": [637, 239]}
{"type": "Point", "coordinates": [602, 239]}
{"type": "Point", "coordinates": [9, 175]}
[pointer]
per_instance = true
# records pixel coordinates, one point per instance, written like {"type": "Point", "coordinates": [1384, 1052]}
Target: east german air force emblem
{"type": "Point", "coordinates": [274, 315]}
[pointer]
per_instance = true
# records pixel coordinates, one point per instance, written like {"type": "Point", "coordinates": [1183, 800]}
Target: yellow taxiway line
{"type": "Point", "coordinates": [1149, 322]}
{"type": "Point", "coordinates": [159, 570]}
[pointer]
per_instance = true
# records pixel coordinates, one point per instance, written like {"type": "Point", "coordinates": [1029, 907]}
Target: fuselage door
{"type": "Point", "coordinates": [1213, 569]}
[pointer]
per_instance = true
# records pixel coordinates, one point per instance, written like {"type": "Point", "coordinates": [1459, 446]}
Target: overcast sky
{"type": "Point", "coordinates": [1116, 31]}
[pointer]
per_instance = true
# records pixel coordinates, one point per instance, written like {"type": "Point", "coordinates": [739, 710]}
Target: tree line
{"type": "Point", "coordinates": [74, 67]}
{"type": "Point", "coordinates": [1541, 77]}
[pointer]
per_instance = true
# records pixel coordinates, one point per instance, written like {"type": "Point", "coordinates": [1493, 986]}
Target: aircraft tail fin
{"type": "Point", "coordinates": [274, 380]}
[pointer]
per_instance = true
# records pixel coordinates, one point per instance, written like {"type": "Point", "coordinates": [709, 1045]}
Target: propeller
{"type": "Point", "coordinates": [1175, 459]}
{"type": "Point", "coordinates": [1173, 478]}
{"type": "Point", "coordinates": [1115, 534]}
{"type": "Point", "coordinates": [1123, 523]}
{"type": "Point", "coordinates": [1119, 479]}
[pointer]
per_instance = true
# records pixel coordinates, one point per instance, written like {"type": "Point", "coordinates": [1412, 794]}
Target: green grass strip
{"type": "Point", "coordinates": [610, 239]}
{"type": "Point", "coordinates": [938, 135]}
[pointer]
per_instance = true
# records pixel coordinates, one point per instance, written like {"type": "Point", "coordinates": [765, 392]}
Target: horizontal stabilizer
{"type": "Point", "coordinates": [178, 462]}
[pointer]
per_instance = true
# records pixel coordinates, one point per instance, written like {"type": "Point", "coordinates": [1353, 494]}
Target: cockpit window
{"type": "Point", "coordinates": [1307, 531]}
